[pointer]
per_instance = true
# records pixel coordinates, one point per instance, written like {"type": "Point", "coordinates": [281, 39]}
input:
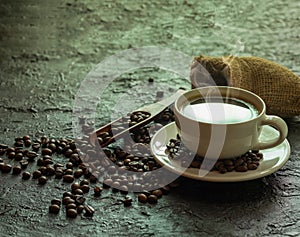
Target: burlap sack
{"type": "Point", "coordinates": [276, 85]}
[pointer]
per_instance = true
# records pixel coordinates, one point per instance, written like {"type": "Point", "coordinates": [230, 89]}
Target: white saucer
{"type": "Point", "coordinates": [274, 158]}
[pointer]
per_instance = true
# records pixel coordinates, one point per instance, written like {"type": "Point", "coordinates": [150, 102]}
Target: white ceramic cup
{"type": "Point", "coordinates": [222, 140]}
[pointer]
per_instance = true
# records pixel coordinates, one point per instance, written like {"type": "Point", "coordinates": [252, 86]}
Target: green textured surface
{"type": "Point", "coordinates": [48, 47]}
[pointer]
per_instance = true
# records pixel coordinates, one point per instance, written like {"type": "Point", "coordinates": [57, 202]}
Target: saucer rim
{"type": "Point", "coordinates": [215, 176]}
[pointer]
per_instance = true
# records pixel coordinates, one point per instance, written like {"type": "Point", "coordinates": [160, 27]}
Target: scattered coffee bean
{"type": "Point", "coordinates": [54, 209]}
{"type": "Point", "coordinates": [75, 186]}
{"type": "Point", "coordinates": [142, 198]}
{"type": "Point", "coordinates": [16, 170]}
{"type": "Point", "coordinates": [152, 199]}
{"type": "Point", "coordinates": [84, 182]}
{"type": "Point", "coordinates": [3, 146]}
{"type": "Point", "coordinates": [89, 211]}
{"type": "Point", "coordinates": [67, 200]}
{"type": "Point", "coordinates": [71, 213]}
{"type": "Point", "coordinates": [26, 175]}
{"type": "Point", "coordinates": [97, 191]}
{"type": "Point", "coordinates": [56, 202]}
{"type": "Point", "coordinates": [68, 178]}
{"type": "Point", "coordinates": [42, 180]}
{"type": "Point", "coordinates": [78, 191]}
{"type": "Point", "coordinates": [158, 193]}
{"type": "Point", "coordinates": [127, 201]}
{"type": "Point", "coordinates": [71, 206]}
{"type": "Point", "coordinates": [6, 168]}
{"type": "Point", "coordinates": [19, 156]}
{"type": "Point", "coordinates": [11, 155]}
{"type": "Point", "coordinates": [80, 209]}
{"type": "Point", "coordinates": [36, 174]}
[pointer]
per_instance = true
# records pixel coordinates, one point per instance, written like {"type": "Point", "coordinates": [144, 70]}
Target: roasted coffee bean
{"type": "Point", "coordinates": [18, 156]}
{"type": "Point", "coordinates": [46, 151]}
{"type": "Point", "coordinates": [31, 155]}
{"type": "Point", "coordinates": [241, 168]}
{"type": "Point", "coordinates": [10, 149]}
{"type": "Point", "coordinates": [252, 166]}
{"type": "Point", "coordinates": [78, 191]}
{"type": "Point", "coordinates": [67, 200]}
{"type": "Point", "coordinates": [2, 152]}
{"type": "Point", "coordinates": [93, 179]}
{"type": "Point", "coordinates": [16, 170]}
{"type": "Point", "coordinates": [26, 175]}
{"type": "Point", "coordinates": [42, 180]}
{"type": "Point", "coordinates": [89, 211]}
{"type": "Point", "coordinates": [152, 199]}
{"type": "Point", "coordinates": [26, 137]}
{"type": "Point", "coordinates": [78, 173]}
{"type": "Point", "coordinates": [97, 191]}
{"type": "Point", "coordinates": [58, 173]}
{"type": "Point", "coordinates": [75, 186]}
{"type": "Point", "coordinates": [56, 202]}
{"type": "Point", "coordinates": [85, 188]}
{"type": "Point", "coordinates": [35, 147]}
{"type": "Point", "coordinates": [127, 201]}
{"type": "Point", "coordinates": [6, 168]}
{"type": "Point", "coordinates": [158, 193]}
{"type": "Point", "coordinates": [43, 170]}
{"type": "Point", "coordinates": [68, 194]}
{"type": "Point", "coordinates": [71, 213]}
{"type": "Point", "coordinates": [27, 143]}
{"type": "Point", "coordinates": [52, 147]}
{"type": "Point", "coordinates": [3, 146]}
{"type": "Point", "coordinates": [54, 209]}
{"type": "Point", "coordinates": [68, 178]}
{"type": "Point", "coordinates": [50, 170]}
{"type": "Point", "coordinates": [142, 198]}
{"type": "Point", "coordinates": [79, 199]}
{"type": "Point", "coordinates": [68, 171]}
{"type": "Point", "coordinates": [69, 165]}
{"type": "Point", "coordinates": [80, 209]}
{"type": "Point", "coordinates": [68, 152]}
{"type": "Point", "coordinates": [19, 143]}
{"type": "Point", "coordinates": [11, 155]}
{"type": "Point", "coordinates": [71, 206]}
{"type": "Point", "coordinates": [84, 182]}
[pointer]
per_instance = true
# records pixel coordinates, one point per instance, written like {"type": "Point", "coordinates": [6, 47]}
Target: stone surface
{"type": "Point", "coordinates": [48, 47]}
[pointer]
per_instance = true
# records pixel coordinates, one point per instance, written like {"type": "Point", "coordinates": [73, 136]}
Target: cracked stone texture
{"type": "Point", "coordinates": [47, 49]}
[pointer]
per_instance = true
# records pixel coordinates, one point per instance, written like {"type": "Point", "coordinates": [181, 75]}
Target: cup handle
{"type": "Point", "coordinates": [279, 124]}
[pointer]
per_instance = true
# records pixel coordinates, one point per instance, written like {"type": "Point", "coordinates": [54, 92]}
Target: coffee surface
{"type": "Point", "coordinates": [220, 110]}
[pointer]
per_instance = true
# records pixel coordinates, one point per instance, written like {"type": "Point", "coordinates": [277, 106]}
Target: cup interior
{"type": "Point", "coordinates": [220, 105]}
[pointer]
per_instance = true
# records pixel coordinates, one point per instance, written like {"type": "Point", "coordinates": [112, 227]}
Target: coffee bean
{"type": "Point", "coordinates": [26, 175]}
{"type": "Point", "coordinates": [67, 200]}
{"type": "Point", "coordinates": [69, 165]}
{"type": "Point", "coordinates": [75, 186]}
{"type": "Point", "coordinates": [3, 146]}
{"type": "Point", "coordinates": [79, 199]}
{"type": "Point", "coordinates": [46, 151]}
{"type": "Point", "coordinates": [142, 198]}
{"type": "Point", "coordinates": [50, 170]}
{"type": "Point", "coordinates": [58, 173]}
{"type": "Point", "coordinates": [68, 171]}
{"type": "Point", "coordinates": [85, 188]}
{"type": "Point", "coordinates": [158, 193]}
{"type": "Point", "coordinates": [27, 143]}
{"type": "Point", "coordinates": [6, 168]}
{"type": "Point", "coordinates": [78, 173]}
{"type": "Point", "coordinates": [43, 170]}
{"type": "Point", "coordinates": [18, 156]}
{"type": "Point", "coordinates": [42, 180]}
{"type": "Point", "coordinates": [26, 137]}
{"type": "Point", "coordinates": [54, 209]}
{"type": "Point", "coordinates": [93, 179]}
{"type": "Point", "coordinates": [19, 143]}
{"type": "Point", "coordinates": [31, 155]}
{"type": "Point", "coordinates": [56, 202]}
{"type": "Point", "coordinates": [127, 202]}
{"type": "Point", "coordinates": [2, 152]}
{"type": "Point", "coordinates": [152, 199]}
{"type": "Point", "coordinates": [52, 147]}
{"type": "Point", "coordinates": [84, 182]}
{"type": "Point", "coordinates": [35, 147]}
{"type": "Point", "coordinates": [11, 155]}
{"type": "Point", "coordinates": [68, 178]}
{"type": "Point", "coordinates": [68, 153]}
{"type": "Point", "coordinates": [89, 211]}
{"type": "Point", "coordinates": [71, 213]}
{"type": "Point", "coordinates": [80, 209]}
{"type": "Point", "coordinates": [241, 168]}
{"type": "Point", "coordinates": [67, 194]}
{"type": "Point", "coordinates": [16, 170]}
{"type": "Point", "coordinates": [78, 191]}
{"type": "Point", "coordinates": [71, 206]}
{"type": "Point", "coordinates": [97, 191]}
{"type": "Point", "coordinates": [252, 166]}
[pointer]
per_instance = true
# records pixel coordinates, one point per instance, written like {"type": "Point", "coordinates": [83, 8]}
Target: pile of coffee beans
{"type": "Point", "coordinates": [248, 161]}
{"type": "Point", "coordinates": [82, 167]}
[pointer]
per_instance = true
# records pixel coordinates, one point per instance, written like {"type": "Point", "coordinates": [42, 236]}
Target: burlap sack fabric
{"type": "Point", "coordinates": [275, 84]}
